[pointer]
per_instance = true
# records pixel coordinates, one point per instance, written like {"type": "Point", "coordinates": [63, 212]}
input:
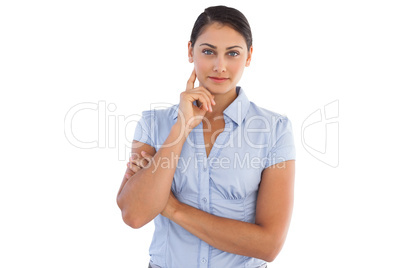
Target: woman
{"type": "Point", "coordinates": [215, 172]}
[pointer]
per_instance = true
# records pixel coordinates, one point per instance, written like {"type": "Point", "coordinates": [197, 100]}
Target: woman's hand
{"type": "Point", "coordinates": [136, 163]}
{"type": "Point", "coordinates": [190, 115]}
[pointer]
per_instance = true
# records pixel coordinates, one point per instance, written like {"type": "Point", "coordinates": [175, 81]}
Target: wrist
{"type": "Point", "coordinates": [174, 210]}
{"type": "Point", "coordinates": [182, 129]}
{"type": "Point", "coordinates": [171, 208]}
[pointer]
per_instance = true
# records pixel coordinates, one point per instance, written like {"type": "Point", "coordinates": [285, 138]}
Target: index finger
{"type": "Point", "coordinates": [146, 156]}
{"type": "Point", "coordinates": [140, 162]}
{"type": "Point", "coordinates": [191, 80]}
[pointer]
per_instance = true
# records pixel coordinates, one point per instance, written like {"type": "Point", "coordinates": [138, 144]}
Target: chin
{"type": "Point", "coordinates": [221, 89]}
{"type": "Point", "coordinates": [218, 89]}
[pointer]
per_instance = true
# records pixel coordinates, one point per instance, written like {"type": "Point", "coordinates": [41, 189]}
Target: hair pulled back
{"type": "Point", "coordinates": [225, 15]}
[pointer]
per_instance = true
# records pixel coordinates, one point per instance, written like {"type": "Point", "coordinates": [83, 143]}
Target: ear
{"type": "Point", "coordinates": [250, 52]}
{"type": "Point", "coordinates": [190, 52]}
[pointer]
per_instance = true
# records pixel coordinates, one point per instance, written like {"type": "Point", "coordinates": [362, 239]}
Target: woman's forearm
{"type": "Point", "coordinates": [146, 193]}
{"type": "Point", "coordinates": [228, 235]}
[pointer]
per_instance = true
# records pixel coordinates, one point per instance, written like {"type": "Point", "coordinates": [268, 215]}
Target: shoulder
{"type": "Point", "coordinates": [161, 113]}
{"type": "Point", "coordinates": [159, 120]}
{"type": "Point", "coordinates": [265, 116]}
{"type": "Point", "coordinates": [154, 125]}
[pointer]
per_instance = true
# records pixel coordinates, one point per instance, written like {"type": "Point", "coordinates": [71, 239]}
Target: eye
{"type": "Point", "coordinates": [207, 52]}
{"type": "Point", "coordinates": [233, 53]}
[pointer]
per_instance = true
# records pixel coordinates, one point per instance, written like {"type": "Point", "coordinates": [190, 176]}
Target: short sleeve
{"type": "Point", "coordinates": [283, 147]}
{"type": "Point", "coordinates": [143, 131]}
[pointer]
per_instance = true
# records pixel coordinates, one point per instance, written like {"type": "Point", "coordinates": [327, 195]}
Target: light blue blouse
{"type": "Point", "coordinates": [224, 184]}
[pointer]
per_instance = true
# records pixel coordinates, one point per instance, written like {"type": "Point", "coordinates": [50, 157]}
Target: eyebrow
{"type": "Point", "coordinates": [214, 47]}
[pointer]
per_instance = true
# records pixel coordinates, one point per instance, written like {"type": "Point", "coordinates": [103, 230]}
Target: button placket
{"type": "Point", "coordinates": [202, 164]}
{"type": "Point", "coordinates": [204, 191]}
{"type": "Point", "coordinates": [204, 254]}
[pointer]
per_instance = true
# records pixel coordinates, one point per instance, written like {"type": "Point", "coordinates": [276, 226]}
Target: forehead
{"type": "Point", "coordinates": [221, 36]}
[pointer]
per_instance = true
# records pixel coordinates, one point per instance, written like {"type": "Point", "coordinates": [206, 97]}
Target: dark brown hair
{"type": "Point", "coordinates": [226, 16]}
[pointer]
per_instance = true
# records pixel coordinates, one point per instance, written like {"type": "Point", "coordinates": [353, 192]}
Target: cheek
{"type": "Point", "coordinates": [201, 66]}
{"type": "Point", "coordinates": [237, 68]}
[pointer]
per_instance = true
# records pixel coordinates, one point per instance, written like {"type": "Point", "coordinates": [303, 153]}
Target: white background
{"type": "Point", "coordinates": [57, 200]}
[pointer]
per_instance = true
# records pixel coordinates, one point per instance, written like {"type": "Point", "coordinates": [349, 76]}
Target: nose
{"type": "Point", "coordinates": [219, 65]}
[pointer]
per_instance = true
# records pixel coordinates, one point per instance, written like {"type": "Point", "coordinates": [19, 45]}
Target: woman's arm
{"type": "Point", "coordinates": [144, 195]}
{"type": "Point", "coordinates": [135, 165]}
{"type": "Point", "coordinates": [262, 240]}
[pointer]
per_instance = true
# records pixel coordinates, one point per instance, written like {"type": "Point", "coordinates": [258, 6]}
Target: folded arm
{"type": "Point", "coordinates": [262, 240]}
{"type": "Point", "coordinates": [144, 195]}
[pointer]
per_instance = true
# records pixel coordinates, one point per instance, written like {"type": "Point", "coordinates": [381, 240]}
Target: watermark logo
{"type": "Point", "coordinates": [112, 128]}
{"type": "Point", "coordinates": [117, 131]}
{"type": "Point", "coordinates": [320, 134]}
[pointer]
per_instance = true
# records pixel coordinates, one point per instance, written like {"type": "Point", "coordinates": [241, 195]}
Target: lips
{"type": "Point", "coordinates": [218, 79]}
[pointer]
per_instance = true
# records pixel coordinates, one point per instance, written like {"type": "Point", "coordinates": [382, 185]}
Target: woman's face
{"type": "Point", "coordinates": [219, 55]}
